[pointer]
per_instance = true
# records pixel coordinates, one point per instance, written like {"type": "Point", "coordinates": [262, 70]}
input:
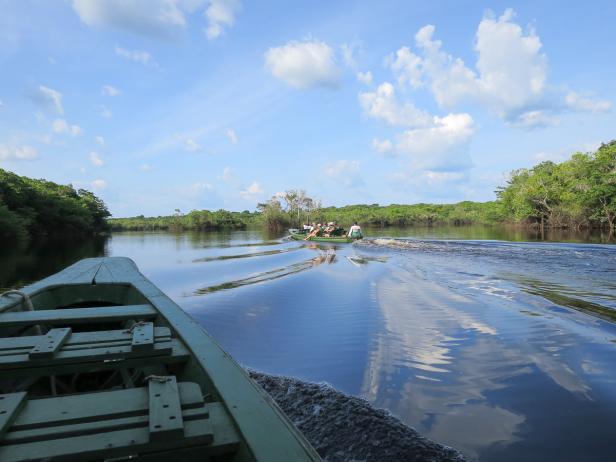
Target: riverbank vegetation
{"type": "Point", "coordinates": [579, 193]}
{"type": "Point", "coordinates": [201, 220]}
{"type": "Point", "coordinates": [32, 209]}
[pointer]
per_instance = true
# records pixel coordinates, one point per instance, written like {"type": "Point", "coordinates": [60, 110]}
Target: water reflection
{"type": "Point", "coordinates": [480, 344]}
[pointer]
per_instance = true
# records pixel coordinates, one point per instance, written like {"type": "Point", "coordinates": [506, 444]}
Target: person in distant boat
{"type": "Point", "coordinates": [329, 229]}
{"type": "Point", "coordinates": [355, 231]}
{"type": "Point", "coordinates": [314, 232]}
{"type": "Point", "coordinates": [308, 228]}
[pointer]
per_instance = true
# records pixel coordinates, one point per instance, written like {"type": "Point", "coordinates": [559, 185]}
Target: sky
{"type": "Point", "coordinates": [157, 105]}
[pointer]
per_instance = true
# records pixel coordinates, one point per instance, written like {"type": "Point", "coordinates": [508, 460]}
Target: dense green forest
{"type": "Point", "coordinates": [203, 220]}
{"type": "Point", "coordinates": [38, 208]}
{"type": "Point", "coordinates": [577, 193]}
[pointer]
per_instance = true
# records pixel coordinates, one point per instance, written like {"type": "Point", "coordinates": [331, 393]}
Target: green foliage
{"type": "Point", "coordinates": [580, 192]}
{"type": "Point", "coordinates": [203, 220]}
{"type": "Point", "coordinates": [35, 208]}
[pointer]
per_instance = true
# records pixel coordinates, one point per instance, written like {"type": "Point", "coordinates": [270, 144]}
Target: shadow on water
{"type": "Point", "coordinates": [246, 255]}
{"type": "Point", "coordinates": [22, 266]}
{"type": "Point", "coordinates": [327, 257]}
{"type": "Point", "coordinates": [556, 294]}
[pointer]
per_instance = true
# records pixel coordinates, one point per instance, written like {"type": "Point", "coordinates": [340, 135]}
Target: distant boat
{"type": "Point", "coordinates": [96, 363]}
{"type": "Point", "coordinates": [339, 239]}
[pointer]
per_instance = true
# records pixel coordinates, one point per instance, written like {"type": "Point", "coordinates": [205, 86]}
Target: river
{"type": "Point", "coordinates": [478, 338]}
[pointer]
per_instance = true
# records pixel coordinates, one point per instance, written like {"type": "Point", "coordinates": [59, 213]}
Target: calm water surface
{"type": "Point", "coordinates": [473, 339]}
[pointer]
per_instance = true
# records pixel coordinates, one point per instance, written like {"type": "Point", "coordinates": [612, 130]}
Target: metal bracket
{"type": "Point", "coordinates": [50, 343]}
{"type": "Point", "coordinates": [165, 409]}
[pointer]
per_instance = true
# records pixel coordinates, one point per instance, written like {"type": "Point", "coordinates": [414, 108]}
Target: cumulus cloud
{"type": "Point", "coordinates": [232, 136]}
{"type": "Point", "coordinates": [50, 97]}
{"type": "Point", "coordinates": [306, 64]}
{"type": "Point", "coordinates": [109, 90]}
{"type": "Point", "coordinates": [98, 184]}
{"type": "Point", "coordinates": [157, 18]}
{"type": "Point", "coordinates": [96, 159]}
{"type": "Point", "coordinates": [63, 127]}
{"type": "Point", "coordinates": [13, 152]}
{"type": "Point", "coordinates": [365, 77]}
{"type": "Point", "coordinates": [137, 56]}
{"type": "Point", "coordinates": [430, 142]}
{"type": "Point", "coordinates": [345, 172]}
{"type": "Point", "coordinates": [252, 191]}
{"type": "Point", "coordinates": [382, 104]}
{"type": "Point", "coordinates": [145, 167]}
{"type": "Point", "coordinates": [100, 140]}
{"type": "Point", "coordinates": [220, 14]}
{"type": "Point", "coordinates": [441, 146]}
{"type": "Point", "coordinates": [509, 78]}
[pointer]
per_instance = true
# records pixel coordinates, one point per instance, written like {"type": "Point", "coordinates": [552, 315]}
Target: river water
{"type": "Point", "coordinates": [477, 340]}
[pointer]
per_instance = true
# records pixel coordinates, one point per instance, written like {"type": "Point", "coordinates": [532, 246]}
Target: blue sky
{"type": "Point", "coordinates": [163, 104]}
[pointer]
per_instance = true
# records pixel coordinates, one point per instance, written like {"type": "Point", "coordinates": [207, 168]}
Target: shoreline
{"type": "Point", "coordinates": [344, 428]}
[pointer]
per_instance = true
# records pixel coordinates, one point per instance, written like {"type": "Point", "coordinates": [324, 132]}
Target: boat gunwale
{"type": "Point", "coordinates": [255, 414]}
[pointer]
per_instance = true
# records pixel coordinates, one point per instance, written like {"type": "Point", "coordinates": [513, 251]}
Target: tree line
{"type": "Point", "coordinates": [32, 209]}
{"type": "Point", "coordinates": [577, 193]}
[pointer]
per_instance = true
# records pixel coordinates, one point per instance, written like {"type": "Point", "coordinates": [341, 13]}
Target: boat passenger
{"type": "Point", "coordinates": [314, 232]}
{"type": "Point", "coordinates": [329, 229]}
{"type": "Point", "coordinates": [355, 231]}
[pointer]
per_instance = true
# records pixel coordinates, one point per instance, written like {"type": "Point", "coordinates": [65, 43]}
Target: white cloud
{"type": "Point", "coordinates": [63, 127]}
{"type": "Point", "coordinates": [109, 90]}
{"type": "Point", "coordinates": [100, 140]}
{"type": "Point", "coordinates": [345, 172]}
{"type": "Point", "coordinates": [192, 146]}
{"type": "Point", "coordinates": [52, 97]}
{"type": "Point", "coordinates": [407, 67]}
{"type": "Point", "coordinates": [158, 18]}
{"type": "Point", "coordinates": [445, 132]}
{"type": "Point", "coordinates": [220, 14]}
{"type": "Point", "coordinates": [304, 64]}
{"type": "Point", "coordinates": [382, 104]}
{"type": "Point", "coordinates": [580, 103]}
{"type": "Point", "coordinates": [535, 119]}
{"type": "Point", "coordinates": [137, 56]}
{"type": "Point", "coordinates": [96, 159]}
{"type": "Point", "coordinates": [98, 184]}
{"type": "Point", "coordinates": [232, 136]}
{"type": "Point", "coordinates": [13, 152]}
{"type": "Point", "coordinates": [252, 191]}
{"type": "Point", "coordinates": [105, 113]}
{"type": "Point", "coordinates": [509, 79]}
{"type": "Point", "coordinates": [382, 147]}
{"type": "Point", "coordinates": [365, 77]}
{"type": "Point", "coordinates": [145, 167]}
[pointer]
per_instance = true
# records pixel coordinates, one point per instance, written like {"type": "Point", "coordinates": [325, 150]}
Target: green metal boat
{"type": "Point", "coordinates": [96, 363]}
{"type": "Point", "coordinates": [340, 240]}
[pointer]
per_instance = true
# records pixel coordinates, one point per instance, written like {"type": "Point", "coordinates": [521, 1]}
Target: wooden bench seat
{"type": "Point", "coordinates": [68, 316]}
{"type": "Point", "coordinates": [148, 422]}
{"type": "Point", "coordinates": [60, 351]}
